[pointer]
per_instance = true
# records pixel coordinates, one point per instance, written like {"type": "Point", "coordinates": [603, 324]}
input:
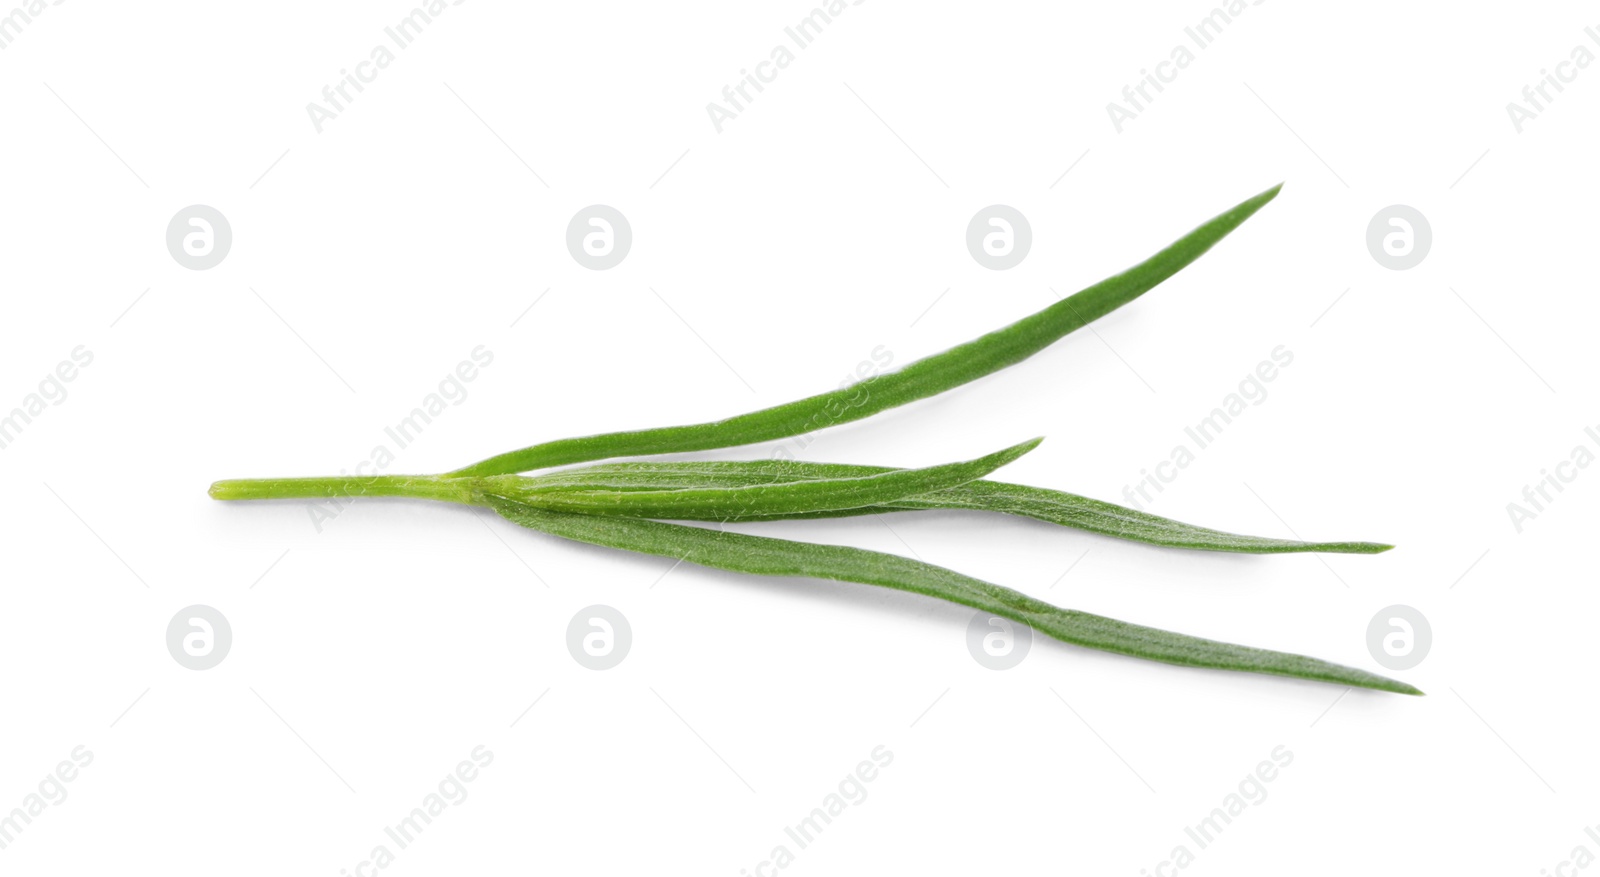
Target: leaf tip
{"type": "Point", "coordinates": [1017, 450]}
{"type": "Point", "coordinates": [1261, 200]}
{"type": "Point", "coordinates": [1349, 547]}
{"type": "Point", "coordinates": [1384, 683]}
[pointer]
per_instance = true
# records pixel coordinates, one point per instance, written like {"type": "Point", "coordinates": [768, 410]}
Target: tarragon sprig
{"type": "Point", "coordinates": [614, 504]}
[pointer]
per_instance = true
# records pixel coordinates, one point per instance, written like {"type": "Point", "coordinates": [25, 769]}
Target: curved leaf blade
{"type": "Point", "coordinates": [1109, 519]}
{"type": "Point", "coordinates": [760, 555]}
{"type": "Point", "coordinates": [919, 380]}
{"type": "Point", "coordinates": [715, 502]}
{"type": "Point", "coordinates": [1052, 506]}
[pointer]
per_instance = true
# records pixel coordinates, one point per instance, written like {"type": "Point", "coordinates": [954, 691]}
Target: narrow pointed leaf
{"type": "Point", "coordinates": [717, 502]}
{"type": "Point", "coordinates": [759, 555]}
{"type": "Point", "coordinates": [1053, 506]}
{"type": "Point", "coordinates": [919, 380]}
{"type": "Point", "coordinates": [1109, 519]}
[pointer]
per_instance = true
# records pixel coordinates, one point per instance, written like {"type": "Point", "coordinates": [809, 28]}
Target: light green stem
{"type": "Point", "coordinates": [415, 486]}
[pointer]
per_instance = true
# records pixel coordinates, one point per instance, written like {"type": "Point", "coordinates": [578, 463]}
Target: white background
{"type": "Point", "coordinates": [768, 260]}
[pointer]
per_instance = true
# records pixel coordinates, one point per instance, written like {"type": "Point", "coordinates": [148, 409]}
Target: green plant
{"type": "Point", "coordinates": [614, 504]}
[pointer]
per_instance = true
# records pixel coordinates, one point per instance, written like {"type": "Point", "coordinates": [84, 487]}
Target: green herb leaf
{"type": "Point", "coordinates": [713, 502]}
{"type": "Point", "coordinates": [759, 555]}
{"type": "Point", "coordinates": [1053, 506]}
{"type": "Point", "coordinates": [919, 380]}
{"type": "Point", "coordinates": [613, 500]}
